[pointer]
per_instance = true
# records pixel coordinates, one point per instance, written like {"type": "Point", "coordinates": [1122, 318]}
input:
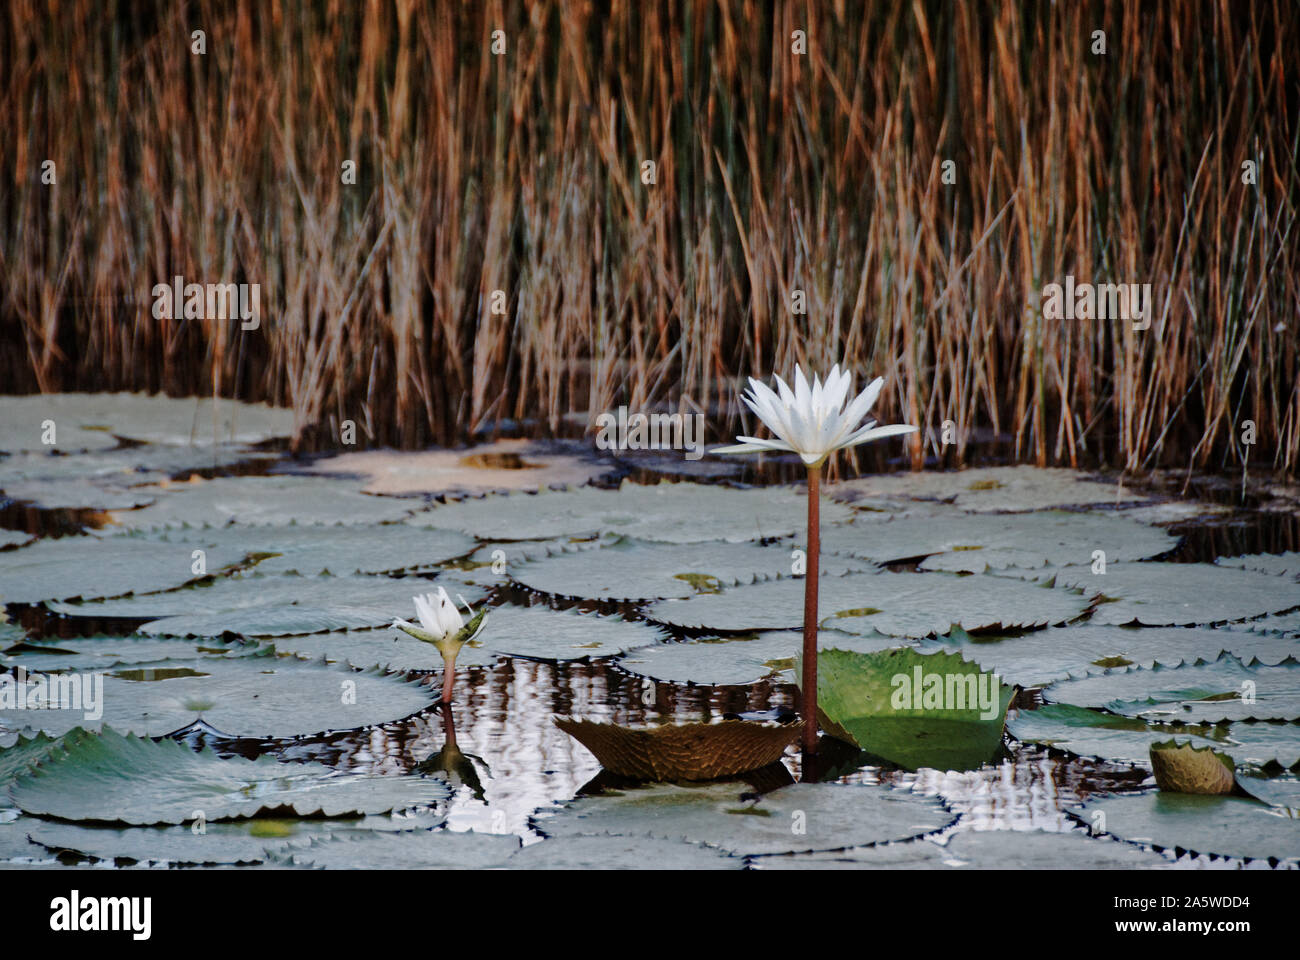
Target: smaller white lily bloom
{"type": "Point", "coordinates": [441, 623]}
{"type": "Point", "coordinates": [813, 421]}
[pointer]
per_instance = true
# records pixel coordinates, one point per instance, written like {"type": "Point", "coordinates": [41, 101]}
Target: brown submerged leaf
{"type": "Point", "coordinates": [692, 751]}
{"type": "Point", "coordinates": [1185, 769]}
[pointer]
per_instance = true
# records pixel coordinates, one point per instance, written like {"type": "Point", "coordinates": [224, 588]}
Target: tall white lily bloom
{"type": "Point", "coordinates": [442, 625]}
{"type": "Point", "coordinates": [814, 422]}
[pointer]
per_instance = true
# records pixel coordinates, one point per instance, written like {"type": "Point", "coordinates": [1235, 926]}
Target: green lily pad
{"type": "Point", "coordinates": [725, 661]}
{"type": "Point", "coordinates": [257, 605]}
{"type": "Point", "coordinates": [313, 550]}
{"type": "Point", "coordinates": [633, 570]}
{"type": "Point", "coordinates": [1168, 594]}
{"type": "Point", "coordinates": [111, 778]}
{"type": "Point", "coordinates": [992, 489]}
{"type": "Point", "coordinates": [935, 710]}
{"type": "Point", "coordinates": [1093, 733]}
{"type": "Point", "coordinates": [802, 816]}
{"type": "Point", "coordinates": [105, 652]}
{"type": "Point", "coordinates": [976, 542]}
{"type": "Point", "coordinates": [252, 696]}
{"type": "Point", "coordinates": [90, 568]}
{"type": "Point", "coordinates": [1057, 653]}
{"type": "Point", "coordinates": [1275, 564]}
{"type": "Point", "coordinates": [1283, 792]}
{"type": "Point", "coordinates": [620, 853]}
{"type": "Point", "coordinates": [220, 842]}
{"type": "Point", "coordinates": [1200, 692]}
{"type": "Point", "coordinates": [75, 494]}
{"type": "Point", "coordinates": [899, 604]}
{"type": "Point", "coordinates": [379, 647]}
{"type": "Point", "coordinates": [981, 850]}
{"type": "Point", "coordinates": [667, 512]}
{"type": "Point", "coordinates": [19, 757]}
{"type": "Point", "coordinates": [14, 538]}
{"type": "Point", "coordinates": [270, 501]}
{"type": "Point", "coordinates": [1223, 826]}
{"type": "Point", "coordinates": [417, 850]}
{"type": "Point", "coordinates": [540, 633]}
{"type": "Point", "coordinates": [125, 467]}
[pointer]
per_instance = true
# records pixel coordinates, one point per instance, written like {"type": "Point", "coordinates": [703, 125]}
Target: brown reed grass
{"type": "Point", "coordinates": [775, 173]}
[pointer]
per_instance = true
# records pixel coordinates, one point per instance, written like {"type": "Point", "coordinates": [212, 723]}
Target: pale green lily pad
{"type": "Point", "coordinates": [541, 633]}
{"type": "Point", "coordinates": [799, 817]}
{"type": "Point", "coordinates": [19, 757]}
{"type": "Point", "coordinates": [77, 494]}
{"type": "Point", "coordinates": [90, 567]}
{"type": "Point", "coordinates": [725, 661]}
{"type": "Point", "coordinates": [279, 605]}
{"type": "Point", "coordinates": [635, 570]}
{"type": "Point", "coordinates": [1283, 792]}
{"type": "Point", "coordinates": [983, 850]}
{"type": "Point", "coordinates": [1286, 624]}
{"type": "Point", "coordinates": [219, 842]}
{"type": "Point", "coordinates": [621, 853]}
{"type": "Point", "coordinates": [111, 778]}
{"type": "Point", "coordinates": [667, 512]}
{"type": "Point", "coordinates": [310, 550]}
{"type": "Point", "coordinates": [974, 542]}
{"type": "Point", "coordinates": [91, 420]}
{"type": "Point", "coordinates": [268, 501]}
{"type": "Point", "coordinates": [1057, 653]}
{"type": "Point", "coordinates": [14, 538]}
{"type": "Point", "coordinates": [126, 467]}
{"type": "Point", "coordinates": [1167, 594]}
{"type": "Point", "coordinates": [995, 489]}
{"type": "Point", "coordinates": [1092, 733]}
{"type": "Point", "coordinates": [1223, 826]}
{"type": "Point", "coordinates": [1275, 564]}
{"type": "Point", "coordinates": [1201, 692]}
{"type": "Point", "coordinates": [417, 850]}
{"type": "Point", "coordinates": [105, 652]}
{"type": "Point", "coordinates": [934, 710]}
{"type": "Point", "coordinates": [380, 647]}
{"type": "Point", "coordinates": [899, 604]}
{"type": "Point", "coordinates": [253, 696]}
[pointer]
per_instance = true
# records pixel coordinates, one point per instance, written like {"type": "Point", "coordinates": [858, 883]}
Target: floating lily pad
{"type": "Point", "coordinates": [90, 567]}
{"type": "Point", "coordinates": [19, 757]}
{"type": "Point", "coordinates": [111, 778]}
{"type": "Point", "coordinates": [633, 570]}
{"type": "Point", "coordinates": [105, 652]}
{"type": "Point", "coordinates": [317, 549]}
{"type": "Point", "coordinates": [272, 501]}
{"type": "Point", "coordinates": [915, 710]}
{"type": "Point", "coordinates": [976, 542]}
{"type": "Point", "coordinates": [621, 853]}
{"type": "Point", "coordinates": [995, 489]}
{"type": "Point", "coordinates": [502, 465]}
{"type": "Point", "coordinates": [94, 420]}
{"type": "Point", "coordinates": [802, 816]}
{"type": "Point", "coordinates": [1165, 594]}
{"type": "Point", "coordinates": [74, 494]}
{"type": "Point", "coordinates": [1225, 826]}
{"type": "Point", "coordinates": [417, 850]}
{"type": "Point", "coordinates": [1186, 768]}
{"type": "Point", "coordinates": [691, 751]}
{"type": "Point", "coordinates": [1093, 733]}
{"type": "Point", "coordinates": [667, 512]}
{"type": "Point", "coordinates": [719, 661]}
{"type": "Point", "coordinates": [127, 466]}
{"type": "Point", "coordinates": [1276, 564]}
{"type": "Point", "coordinates": [1223, 689]}
{"type": "Point", "coordinates": [253, 696]}
{"type": "Point", "coordinates": [383, 647]}
{"type": "Point", "coordinates": [263, 606]}
{"type": "Point", "coordinates": [220, 842]}
{"type": "Point", "coordinates": [900, 604]}
{"type": "Point", "coordinates": [541, 633]}
{"type": "Point", "coordinates": [1283, 792]}
{"type": "Point", "coordinates": [14, 538]}
{"type": "Point", "coordinates": [981, 850]}
{"type": "Point", "coordinates": [1057, 653]}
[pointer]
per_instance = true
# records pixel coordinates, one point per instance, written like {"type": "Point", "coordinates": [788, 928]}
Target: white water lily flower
{"type": "Point", "coordinates": [441, 623]}
{"type": "Point", "coordinates": [813, 421]}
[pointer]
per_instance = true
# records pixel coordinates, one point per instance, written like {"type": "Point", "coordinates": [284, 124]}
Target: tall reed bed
{"type": "Point", "coordinates": [775, 173]}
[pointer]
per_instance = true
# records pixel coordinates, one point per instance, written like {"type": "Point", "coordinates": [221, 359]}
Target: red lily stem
{"type": "Point", "coordinates": [808, 698]}
{"type": "Point", "coordinates": [448, 677]}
